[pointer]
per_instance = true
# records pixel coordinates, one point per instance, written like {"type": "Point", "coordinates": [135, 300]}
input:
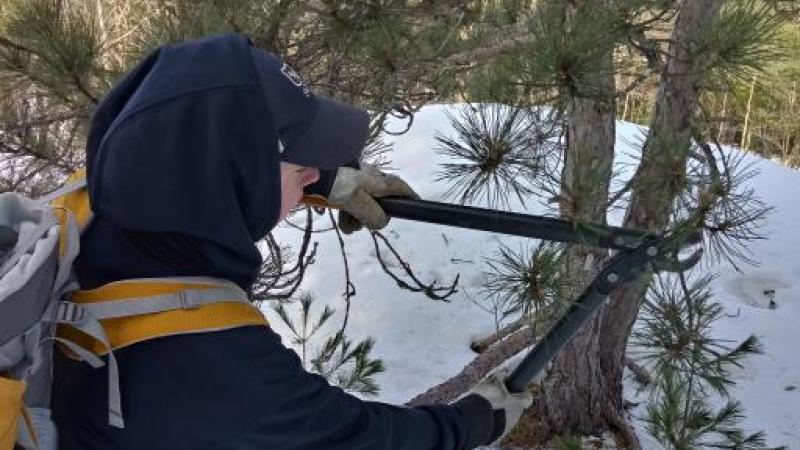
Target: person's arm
{"type": "Point", "coordinates": [306, 413]}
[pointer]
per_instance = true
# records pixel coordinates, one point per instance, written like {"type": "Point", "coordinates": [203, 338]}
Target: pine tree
{"type": "Point", "coordinates": [691, 370]}
{"type": "Point", "coordinates": [350, 367]}
{"type": "Point", "coordinates": [569, 69]}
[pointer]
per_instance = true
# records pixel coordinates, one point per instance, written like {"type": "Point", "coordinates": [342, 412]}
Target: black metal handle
{"type": "Point", "coordinates": [539, 227]}
{"type": "Point", "coordinates": [637, 249]}
{"type": "Point", "coordinates": [624, 266]}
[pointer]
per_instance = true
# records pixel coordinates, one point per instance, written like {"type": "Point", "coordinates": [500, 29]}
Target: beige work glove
{"type": "Point", "coordinates": [354, 192]}
{"type": "Point", "coordinates": [511, 406]}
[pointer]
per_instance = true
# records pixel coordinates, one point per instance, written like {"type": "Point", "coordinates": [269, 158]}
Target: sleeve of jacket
{"type": "Point", "coordinates": [324, 185]}
{"type": "Point", "coordinates": [306, 413]}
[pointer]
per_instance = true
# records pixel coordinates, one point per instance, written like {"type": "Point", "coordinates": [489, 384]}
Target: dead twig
{"type": "Point", "coordinates": [430, 290]}
{"type": "Point", "coordinates": [641, 374]}
{"type": "Point", "coordinates": [349, 288]}
{"type": "Point", "coordinates": [276, 283]}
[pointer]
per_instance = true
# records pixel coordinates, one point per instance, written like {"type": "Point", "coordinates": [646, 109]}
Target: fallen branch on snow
{"type": "Point", "coordinates": [476, 370]}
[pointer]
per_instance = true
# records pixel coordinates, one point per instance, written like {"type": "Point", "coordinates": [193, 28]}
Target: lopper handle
{"type": "Point", "coordinates": [516, 224]}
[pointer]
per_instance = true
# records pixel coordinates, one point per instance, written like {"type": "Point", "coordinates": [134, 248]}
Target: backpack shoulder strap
{"type": "Point", "coordinates": [78, 181]}
{"type": "Point", "coordinates": [71, 199]}
{"type": "Point", "coordinates": [181, 299]}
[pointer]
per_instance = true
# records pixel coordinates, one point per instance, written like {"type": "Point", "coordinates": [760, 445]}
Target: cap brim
{"type": "Point", "coordinates": [337, 136]}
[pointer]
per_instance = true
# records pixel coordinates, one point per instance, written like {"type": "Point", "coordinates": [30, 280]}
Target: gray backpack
{"type": "Point", "coordinates": [38, 244]}
{"type": "Point", "coordinates": [36, 254]}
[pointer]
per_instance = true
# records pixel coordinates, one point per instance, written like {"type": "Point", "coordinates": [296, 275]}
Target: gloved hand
{"type": "Point", "coordinates": [354, 192]}
{"type": "Point", "coordinates": [508, 407]}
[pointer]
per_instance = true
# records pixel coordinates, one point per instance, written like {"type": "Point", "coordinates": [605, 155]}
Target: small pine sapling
{"type": "Point", "coordinates": [690, 368]}
{"type": "Point", "coordinates": [343, 363]}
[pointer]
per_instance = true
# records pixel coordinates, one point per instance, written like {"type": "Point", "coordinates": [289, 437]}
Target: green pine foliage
{"type": "Point", "coordinates": [347, 365]}
{"type": "Point", "coordinates": [751, 85]}
{"type": "Point", "coordinates": [567, 443]}
{"type": "Point", "coordinates": [690, 368]}
{"type": "Point", "coordinates": [682, 421]}
{"type": "Point", "coordinates": [50, 78]}
{"type": "Point", "coordinates": [305, 330]}
{"type": "Point", "coordinates": [494, 155]}
{"type": "Point", "coordinates": [525, 283]}
{"type": "Point", "coordinates": [720, 199]}
{"type": "Point", "coordinates": [382, 55]}
{"type": "Point", "coordinates": [58, 47]}
{"type": "Point", "coordinates": [558, 58]}
{"type": "Point", "coordinates": [741, 40]}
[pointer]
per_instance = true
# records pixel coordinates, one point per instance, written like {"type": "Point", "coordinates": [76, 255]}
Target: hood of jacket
{"type": "Point", "coordinates": [182, 167]}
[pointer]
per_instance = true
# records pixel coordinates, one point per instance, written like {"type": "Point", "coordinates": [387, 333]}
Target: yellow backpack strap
{"type": "Point", "coordinates": [11, 407]}
{"type": "Point", "coordinates": [73, 197]}
{"type": "Point", "coordinates": [75, 182]}
{"type": "Point", "coordinates": [136, 310]}
{"type": "Point", "coordinates": [96, 322]}
{"type": "Point", "coordinates": [181, 299]}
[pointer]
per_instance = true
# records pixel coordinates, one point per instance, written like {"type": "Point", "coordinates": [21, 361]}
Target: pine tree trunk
{"type": "Point", "coordinates": [573, 391]}
{"type": "Point", "coordinates": [582, 392]}
{"type": "Point", "coordinates": [787, 142]}
{"type": "Point", "coordinates": [746, 131]}
{"type": "Point", "coordinates": [573, 395]}
{"type": "Point", "coordinates": [723, 120]}
{"type": "Point", "coordinates": [659, 177]}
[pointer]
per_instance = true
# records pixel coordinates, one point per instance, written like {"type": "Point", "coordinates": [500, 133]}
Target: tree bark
{"type": "Point", "coordinates": [724, 120]}
{"type": "Point", "coordinates": [660, 175]}
{"type": "Point", "coordinates": [477, 369]}
{"type": "Point", "coordinates": [747, 129]}
{"type": "Point", "coordinates": [573, 393]}
{"type": "Point", "coordinates": [582, 392]}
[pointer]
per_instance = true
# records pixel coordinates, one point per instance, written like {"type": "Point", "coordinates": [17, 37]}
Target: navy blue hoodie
{"type": "Point", "coordinates": [181, 160]}
{"type": "Point", "coordinates": [183, 177]}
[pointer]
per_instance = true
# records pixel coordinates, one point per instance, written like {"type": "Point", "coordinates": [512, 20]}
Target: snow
{"type": "Point", "coordinates": [425, 342]}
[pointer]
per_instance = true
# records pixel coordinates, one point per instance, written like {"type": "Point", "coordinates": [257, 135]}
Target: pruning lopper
{"type": "Point", "coordinates": [636, 252]}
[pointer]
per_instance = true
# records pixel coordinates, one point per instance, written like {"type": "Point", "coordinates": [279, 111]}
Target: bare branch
{"type": "Point", "coordinates": [349, 288]}
{"type": "Point", "coordinates": [431, 290]}
{"type": "Point", "coordinates": [476, 370]}
{"type": "Point", "coordinates": [641, 374]}
{"type": "Point", "coordinates": [482, 344]}
{"type": "Point", "coordinates": [273, 278]}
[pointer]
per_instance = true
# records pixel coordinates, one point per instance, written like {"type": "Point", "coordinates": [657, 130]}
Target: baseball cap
{"type": "Point", "coordinates": [313, 131]}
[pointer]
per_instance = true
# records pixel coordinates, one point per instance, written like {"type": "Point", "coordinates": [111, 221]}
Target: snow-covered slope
{"type": "Point", "coordinates": [424, 342]}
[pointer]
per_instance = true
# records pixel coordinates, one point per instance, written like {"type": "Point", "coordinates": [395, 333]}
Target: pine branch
{"type": "Point", "coordinates": [641, 374]}
{"type": "Point", "coordinates": [483, 344]}
{"type": "Point", "coordinates": [498, 150]}
{"type": "Point", "coordinates": [476, 370]}
{"type": "Point", "coordinates": [8, 43]}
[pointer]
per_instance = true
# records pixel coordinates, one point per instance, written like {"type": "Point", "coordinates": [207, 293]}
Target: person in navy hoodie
{"type": "Point", "coordinates": [193, 156]}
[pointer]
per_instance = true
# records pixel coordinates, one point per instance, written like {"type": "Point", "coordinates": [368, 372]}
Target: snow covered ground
{"type": "Point", "coordinates": [424, 342]}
